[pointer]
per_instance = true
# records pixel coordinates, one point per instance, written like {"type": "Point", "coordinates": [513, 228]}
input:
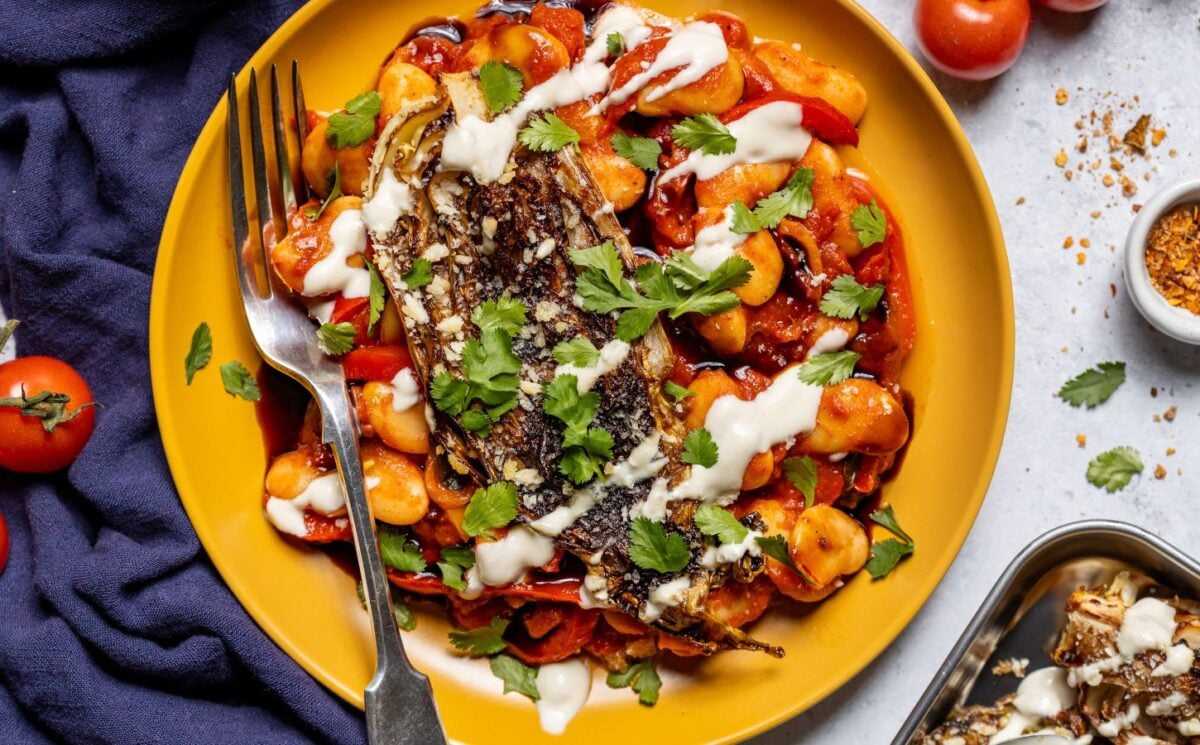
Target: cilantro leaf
{"type": "Point", "coordinates": [795, 200]}
{"type": "Point", "coordinates": [870, 222]}
{"type": "Point", "coordinates": [238, 381]}
{"type": "Point", "coordinates": [829, 368]}
{"type": "Point", "coordinates": [356, 124]}
{"type": "Point", "coordinates": [742, 220]}
{"type": "Point", "coordinates": [585, 449]}
{"type": "Point", "coordinates": [885, 555]}
{"type": "Point", "coordinates": [200, 352]}
{"type": "Point", "coordinates": [505, 314]}
{"type": "Point", "coordinates": [579, 352]}
{"type": "Point", "coordinates": [501, 84]}
{"type": "Point", "coordinates": [378, 298]}
{"type": "Point", "coordinates": [848, 298]}
{"type": "Point", "coordinates": [517, 676]}
{"type": "Point", "coordinates": [492, 507]}
{"type": "Point", "coordinates": [450, 394]}
{"type": "Point", "coordinates": [651, 547]}
{"type": "Point", "coordinates": [676, 391]}
{"type": "Point", "coordinates": [643, 152]}
{"type": "Point", "coordinates": [547, 134]}
{"type": "Point", "coordinates": [642, 678]}
{"type": "Point", "coordinates": [801, 472]}
{"type": "Point", "coordinates": [563, 401]}
{"type": "Point", "coordinates": [720, 522]}
{"type": "Point", "coordinates": [712, 296]}
{"type": "Point", "coordinates": [699, 448]}
{"type": "Point", "coordinates": [706, 133]}
{"type": "Point", "coordinates": [335, 192]}
{"type": "Point", "coordinates": [1093, 387]}
{"type": "Point", "coordinates": [336, 339]}
{"type": "Point", "coordinates": [482, 641]}
{"type": "Point", "coordinates": [1113, 469]}
{"type": "Point", "coordinates": [453, 562]}
{"type": "Point", "coordinates": [399, 552]}
{"type": "Point", "coordinates": [776, 546]}
{"type": "Point", "coordinates": [418, 275]}
{"type": "Point", "coordinates": [615, 43]}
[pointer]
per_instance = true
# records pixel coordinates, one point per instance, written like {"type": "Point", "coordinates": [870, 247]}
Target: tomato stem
{"type": "Point", "coordinates": [48, 406]}
{"type": "Point", "coordinates": [7, 331]}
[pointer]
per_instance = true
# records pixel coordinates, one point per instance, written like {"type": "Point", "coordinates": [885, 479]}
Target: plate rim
{"type": "Point", "coordinates": [159, 366]}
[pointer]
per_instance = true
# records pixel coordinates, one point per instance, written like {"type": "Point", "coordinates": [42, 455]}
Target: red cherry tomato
{"type": "Point", "coordinates": [25, 445]}
{"type": "Point", "coordinates": [3, 544]}
{"type": "Point", "coordinates": [972, 39]}
{"type": "Point", "coordinates": [1073, 6]}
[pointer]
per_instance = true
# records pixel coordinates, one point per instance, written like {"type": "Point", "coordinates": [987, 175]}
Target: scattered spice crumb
{"type": "Point", "coordinates": [1157, 136]}
{"type": "Point", "coordinates": [1173, 257]}
{"type": "Point", "coordinates": [1170, 452]}
{"type": "Point", "coordinates": [1096, 214]}
{"type": "Point", "coordinates": [1085, 242]}
{"type": "Point", "coordinates": [1012, 666]}
{"type": "Point", "coordinates": [1060, 160]}
{"type": "Point", "coordinates": [1081, 259]}
{"type": "Point", "coordinates": [1153, 392]}
{"type": "Point", "coordinates": [1157, 418]}
{"type": "Point", "coordinates": [1170, 413]}
{"type": "Point", "coordinates": [1108, 180]}
{"type": "Point", "coordinates": [1070, 175]}
{"type": "Point", "coordinates": [1136, 136]}
{"type": "Point", "coordinates": [1160, 473]}
{"type": "Point", "coordinates": [1081, 440]}
{"type": "Point", "coordinates": [1112, 288]}
{"type": "Point", "coordinates": [1068, 242]}
{"type": "Point", "coordinates": [1128, 188]}
{"type": "Point", "coordinates": [1020, 201]}
{"type": "Point", "coordinates": [1061, 96]}
{"type": "Point", "coordinates": [1173, 153]}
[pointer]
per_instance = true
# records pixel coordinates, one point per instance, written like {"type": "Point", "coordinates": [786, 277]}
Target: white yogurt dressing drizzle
{"type": "Point", "coordinates": [507, 560]}
{"type": "Point", "coordinates": [612, 355]}
{"type": "Point", "coordinates": [1149, 624]}
{"type": "Point", "coordinates": [406, 392]}
{"type": "Point", "coordinates": [323, 494]}
{"type": "Point", "coordinates": [563, 688]}
{"type": "Point", "coordinates": [331, 274]}
{"type": "Point", "coordinates": [771, 133]}
{"type": "Point", "coordinates": [667, 595]}
{"type": "Point", "coordinates": [392, 199]}
{"type": "Point", "coordinates": [694, 48]}
{"type": "Point", "coordinates": [483, 148]}
{"type": "Point", "coordinates": [717, 242]}
{"type": "Point", "coordinates": [1043, 694]}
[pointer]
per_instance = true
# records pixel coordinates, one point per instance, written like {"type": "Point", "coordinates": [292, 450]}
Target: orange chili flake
{"type": "Point", "coordinates": [1157, 136]}
{"type": "Point", "coordinates": [1068, 242]}
{"type": "Point", "coordinates": [1061, 96]}
{"type": "Point", "coordinates": [1160, 473]}
{"type": "Point", "coordinates": [1081, 440]}
{"type": "Point", "coordinates": [1108, 179]}
{"type": "Point", "coordinates": [1170, 413]}
{"type": "Point", "coordinates": [1081, 258]}
{"type": "Point", "coordinates": [1173, 257]}
{"type": "Point", "coordinates": [1136, 137]}
{"type": "Point", "coordinates": [1170, 452]}
{"type": "Point", "coordinates": [1060, 160]}
{"type": "Point", "coordinates": [1085, 242]}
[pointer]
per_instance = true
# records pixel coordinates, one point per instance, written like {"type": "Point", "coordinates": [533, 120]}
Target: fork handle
{"type": "Point", "coordinates": [400, 707]}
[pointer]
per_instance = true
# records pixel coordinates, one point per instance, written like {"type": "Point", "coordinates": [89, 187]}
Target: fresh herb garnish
{"type": "Point", "coordinates": [356, 124]}
{"type": "Point", "coordinates": [870, 223]}
{"type": "Point", "coordinates": [491, 507]}
{"type": "Point", "coordinates": [198, 354]}
{"type": "Point", "coordinates": [1113, 469]}
{"type": "Point", "coordinates": [1093, 387]}
{"type": "Point", "coordinates": [453, 562]}
{"type": "Point", "coordinates": [829, 368]}
{"type": "Point", "coordinates": [490, 387]}
{"type": "Point", "coordinates": [238, 381]}
{"type": "Point", "coordinates": [643, 152]}
{"type": "Point", "coordinates": [615, 43]}
{"type": "Point", "coordinates": [652, 547]}
{"type": "Point", "coordinates": [501, 84]}
{"type": "Point", "coordinates": [742, 220]}
{"type": "Point", "coordinates": [517, 676]}
{"type": "Point", "coordinates": [579, 352]}
{"type": "Point", "coordinates": [482, 641]}
{"type": "Point", "coordinates": [399, 551]}
{"type": "Point", "coordinates": [678, 287]}
{"type": "Point", "coordinates": [801, 472]}
{"type": "Point", "coordinates": [418, 275]}
{"type": "Point", "coordinates": [377, 298]}
{"type": "Point", "coordinates": [848, 298]}
{"type": "Point", "coordinates": [642, 678]}
{"type": "Point", "coordinates": [676, 391]}
{"type": "Point", "coordinates": [885, 555]}
{"type": "Point", "coordinates": [706, 133]}
{"type": "Point", "coordinates": [335, 192]}
{"type": "Point", "coordinates": [335, 339]}
{"type": "Point", "coordinates": [720, 522]}
{"type": "Point", "coordinates": [547, 134]}
{"type": "Point", "coordinates": [699, 449]}
{"type": "Point", "coordinates": [776, 546]}
{"type": "Point", "coordinates": [585, 448]}
{"type": "Point", "coordinates": [794, 199]}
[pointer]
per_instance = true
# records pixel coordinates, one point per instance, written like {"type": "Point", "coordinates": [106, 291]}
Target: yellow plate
{"type": "Point", "coordinates": [960, 375]}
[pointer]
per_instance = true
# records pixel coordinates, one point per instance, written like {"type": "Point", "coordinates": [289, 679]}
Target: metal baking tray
{"type": "Point", "coordinates": [1024, 614]}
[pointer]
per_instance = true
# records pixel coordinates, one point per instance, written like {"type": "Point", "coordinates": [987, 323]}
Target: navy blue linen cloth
{"type": "Point", "coordinates": [114, 627]}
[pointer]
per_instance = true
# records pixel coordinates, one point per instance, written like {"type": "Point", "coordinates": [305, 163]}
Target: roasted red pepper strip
{"type": "Point", "coordinates": [567, 638]}
{"type": "Point", "coordinates": [564, 590]}
{"type": "Point", "coordinates": [375, 363]}
{"type": "Point", "coordinates": [820, 118]}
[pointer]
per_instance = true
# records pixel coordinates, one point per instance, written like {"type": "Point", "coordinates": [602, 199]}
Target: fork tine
{"type": "Point", "coordinates": [237, 189]}
{"type": "Point", "coordinates": [282, 161]}
{"type": "Point", "coordinates": [258, 158]}
{"type": "Point", "coordinates": [301, 114]}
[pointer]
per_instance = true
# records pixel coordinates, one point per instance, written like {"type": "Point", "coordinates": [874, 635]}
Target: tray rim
{"type": "Point", "coordinates": [991, 608]}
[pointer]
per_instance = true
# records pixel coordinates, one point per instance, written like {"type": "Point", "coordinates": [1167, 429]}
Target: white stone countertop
{"type": "Point", "coordinates": [1066, 317]}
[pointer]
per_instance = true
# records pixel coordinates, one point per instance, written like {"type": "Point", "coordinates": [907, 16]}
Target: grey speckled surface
{"type": "Point", "coordinates": [1067, 320]}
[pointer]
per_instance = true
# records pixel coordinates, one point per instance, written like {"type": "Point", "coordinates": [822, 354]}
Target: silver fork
{"type": "Point", "coordinates": [400, 707]}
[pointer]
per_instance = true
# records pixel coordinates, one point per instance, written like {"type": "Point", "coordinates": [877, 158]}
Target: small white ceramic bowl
{"type": "Point", "coordinates": [1174, 322]}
